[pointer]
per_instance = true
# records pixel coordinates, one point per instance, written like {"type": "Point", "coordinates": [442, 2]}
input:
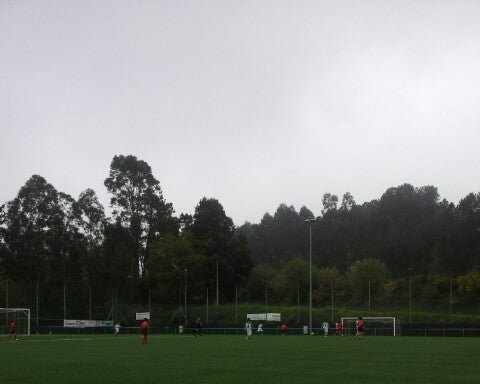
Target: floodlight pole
{"type": "Point", "coordinates": [36, 302]}
{"type": "Point", "coordinates": [369, 298]}
{"type": "Point", "coordinates": [236, 303]}
{"type": "Point", "coordinates": [310, 222]}
{"type": "Point", "coordinates": [64, 301]}
{"type": "Point", "coordinates": [207, 305]}
{"type": "Point", "coordinates": [217, 300]}
{"type": "Point", "coordinates": [185, 308]}
{"type": "Point", "coordinates": [410, 295]}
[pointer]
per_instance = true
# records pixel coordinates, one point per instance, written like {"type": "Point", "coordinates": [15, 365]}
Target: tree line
{"type": "Point", "coordinates": [49, 239]}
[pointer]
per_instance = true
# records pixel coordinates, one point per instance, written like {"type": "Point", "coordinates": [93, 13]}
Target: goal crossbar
{"type": "Point", "coordinates": [24, 311]}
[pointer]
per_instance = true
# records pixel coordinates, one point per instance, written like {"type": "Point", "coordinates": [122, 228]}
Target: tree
{"type": "Point", "coordinates": [29, 226]}
{"type": "Point", "coordinates": [469, 284]}
{"type": "Point", "coordinates": [259, 282]}
{"type": "Point", "coordinates": [139, 204]}
{"type": "Point", "coordinates": [90, 220]}
{"type": "Point", "coordinates": [348, 202]}
{"type": "Point", "coordinates": [329, 202]}
{"type": "Point", "coordinates": [364, 273]}
{"type": "Point", "coordinates": [171, 260]}
{"type": "Point", "coordinates": [214, 237]}
{"type": "Point", "coordinates": [328, 278]}
{"type": "Point", "coordinates": [40, 240]}
{"type": "Point", "coordinates": [293, 278]}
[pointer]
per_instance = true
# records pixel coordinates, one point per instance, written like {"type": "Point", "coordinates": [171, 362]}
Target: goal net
{"type": "Point", "coordinates": [376, 326]}
{"type": "Point", "coordinates": [21, 317]}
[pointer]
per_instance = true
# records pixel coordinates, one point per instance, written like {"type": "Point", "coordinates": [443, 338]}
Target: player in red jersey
{"type": "Point", "coordinates": [360, 324]}
{"type": "Point", "coordinates": [283, 329]}
{"type": "Point", "coordinates": [144, 328]}
{"type": "Point", "coordinates": [12, 331]}
{"type": "Point", "coordinates": [339, 328]}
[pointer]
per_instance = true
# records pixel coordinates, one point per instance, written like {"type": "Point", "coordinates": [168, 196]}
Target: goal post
{"type": "Point", "coordinates": [377, 326]}
{"type": "Point", "coordinates": [21, 316]}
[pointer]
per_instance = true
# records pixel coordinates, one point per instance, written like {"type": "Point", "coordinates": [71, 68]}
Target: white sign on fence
{"type": "Point", "coordinates": [87, 323]}
{"type": "Point", "coordinates": [264, 316]}
{"type": "Point", "coordinates": [257, 316]}
{"type": "Point", "coordinates": [274, 317]}
{"type": "Point", "coordinates": [142, 315]}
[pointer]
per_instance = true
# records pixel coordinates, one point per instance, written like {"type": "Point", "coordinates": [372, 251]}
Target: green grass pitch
{"type": "Point", "coordinates": [232, 359]}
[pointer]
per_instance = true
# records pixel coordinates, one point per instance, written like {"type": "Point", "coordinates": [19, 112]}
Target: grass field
{"type": "Point", "coordinates": [232, 359]}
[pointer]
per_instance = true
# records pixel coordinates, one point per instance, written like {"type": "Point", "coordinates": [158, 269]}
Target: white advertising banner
{"type": "Point", "coordinates": [87, 323]}
{"type": "Point", "coordinates": [274, 317]}
{"type": "Point", "coordinates": [142, 315]}
{"type": "Point", "coordinates": [264, 316]}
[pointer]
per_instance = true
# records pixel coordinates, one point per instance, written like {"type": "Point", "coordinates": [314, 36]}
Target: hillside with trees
{"type": "Point", "coordinates": [53, 245]}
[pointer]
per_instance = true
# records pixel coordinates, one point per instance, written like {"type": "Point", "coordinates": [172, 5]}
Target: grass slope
{"type": "Point", "coordinates": [231, 359]}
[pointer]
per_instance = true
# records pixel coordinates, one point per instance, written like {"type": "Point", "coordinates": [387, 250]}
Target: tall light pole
{"type": "Point", "coordinates": [410, 295]}
{"type": "Point", "coordinates": [217, 302]}
{"type": "Point", "coordinates": [310, 222]}
{"type": "Point", "coordinates": [185, 296]}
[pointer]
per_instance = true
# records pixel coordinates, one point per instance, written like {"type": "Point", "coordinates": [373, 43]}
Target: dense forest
{"type": "Point", "coordinates": [52, 243]}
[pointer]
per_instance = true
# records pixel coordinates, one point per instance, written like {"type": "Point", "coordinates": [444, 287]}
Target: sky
{"type": "Point", "coordinates": [254, 103]}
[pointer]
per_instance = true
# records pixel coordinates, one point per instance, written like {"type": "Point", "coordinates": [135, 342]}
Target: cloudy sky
{"type": "Point", "coordinates": [254, 103]}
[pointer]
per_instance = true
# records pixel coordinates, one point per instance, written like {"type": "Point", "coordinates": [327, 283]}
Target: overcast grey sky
{"type": "Point", "coordinates": [251, 102]}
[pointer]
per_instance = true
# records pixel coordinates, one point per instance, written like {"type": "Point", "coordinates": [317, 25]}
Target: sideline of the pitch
{"type": "Point", "coordinates": [124, 337]}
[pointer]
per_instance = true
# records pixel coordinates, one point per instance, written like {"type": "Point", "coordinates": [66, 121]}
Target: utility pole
{"type": "Point", "coordinates": [369, 298]}
{"type": "Point", "coordinates": [331, 286]}
{"type": "Point", "coordinates": [64, 301]}
{"type": "Point", "coordinates": [207, 305]}
{"type": "Point", "coordinates": [185, 293]}
{"type": "Point", "coordinates": [236, 300]}
{"type": "Point", "coordinates": [410, 295]}
{"type": "Point", "coordinates": [217, 301]}
{"type": "Point", "coordinates": [298, 303]}
{"type": "Point", "coordinates": [310, 322]}
{"type": "Point", "coordinates": [36, 302]}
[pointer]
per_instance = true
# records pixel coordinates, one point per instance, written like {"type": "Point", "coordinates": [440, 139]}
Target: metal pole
{"type": "Point", "coordinates": [266, 297]}
{"type": "Point", "coordinates": [298, 303]}
{"type": "Point", "coordinates": [331, 285]}
{"type": "Point", "coordinates": [217, 303]}
{"type": "Point", "coordinates": [236, 300]}
{"type": "Point", "coordinates": [369, 298]}
{"type": "Point", "coordinates": [185, 308]}
{"type": "Point", "coordinates": [451, 300]}
{"type": "Point", "coordinates": [64, 301]}
{"type": "Point", "coordinates": [410, 299]}
{"type": "Point", "coordinates": [6, 299]}
{"type": "Point", "coordinates": [207, 305]}
{"type": "Point", "coordinates": [36, 303]}
{"type": "Point", "coordinates": [90, 304]}
{"type": "Point", "coordinates": [310, 298]}
{"type": "Point", "coordinates": [114, 318]}
{"type": "Point", "coordinates": [150, 301]}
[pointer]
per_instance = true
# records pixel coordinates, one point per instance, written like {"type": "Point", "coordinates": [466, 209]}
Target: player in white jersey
{"type": "Point", "coordinates": [260, 329]}
{"type": "Point", "coordinates": [248, 330]}
{"type": "Point", "coordinates": [325, 327]}
{"type": "Point", "coordinates": [117, 329]}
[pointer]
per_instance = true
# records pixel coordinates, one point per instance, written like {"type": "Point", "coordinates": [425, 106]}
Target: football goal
{"type": "Point", "coordinates": [21, 316]}
{"type": "Point", "coordinates": [376, 326]}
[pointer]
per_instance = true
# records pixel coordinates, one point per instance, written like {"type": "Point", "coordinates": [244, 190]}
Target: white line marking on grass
{"type": "Point", "coordinates": [41, 341]}
{"type": "Point", "coordinates": [102, 338]}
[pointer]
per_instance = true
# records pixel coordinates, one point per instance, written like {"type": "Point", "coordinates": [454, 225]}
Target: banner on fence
{"type": "Point", "coordinates": [274, 317]}
{"type": "Point", "coordinates": [142, 315]}
{"type": "Point", "coordinates": [257, 316]}
{"type": "Point", "coordinates": [87, 323]}
{"type": "Point", "coordinates": [264, 316]}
